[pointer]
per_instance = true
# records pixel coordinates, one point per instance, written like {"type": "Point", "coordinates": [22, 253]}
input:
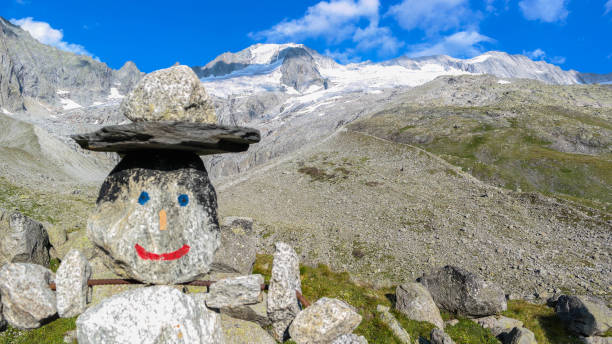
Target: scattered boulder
{"type": "Point", "coordinates": [157, 206]}
{"type": "Point", "coordinates": [498, 324]}
{"type": "Point", "coordinates": [440, 337]}
{"type": "Point", "coordinates": [324, 321]}
{"type": "Point", "coordinates": [283, 304]}
{"type": "Point", "coordinates": [238, 248]}
{"type": "Point", "coordinates": [171, 94]}
{"type": "Point", "coordinates": [585, 315]}
{"type": "Point", "coordinates": [27, 299]}
{"type": "Point", "coordinates": [350, 339]}
{"type": "Point", "coordinates": [462, 292]}
{"type": "Point", "coordinates": [518, 335]}
{"type": "Point", "coordinates": [238, 331]}
{"type": "Point", "coordinates": [256, 313]}
{"type": "Point", "coordinates": [413, 300]}
{"type": "Point", "coordinates": [395, 327]}
{"type": "Point", "coordinates": [22, 240]}
{"type": "Point", "coordinates": [71, 284]}
{"type": "Point", "coordinates": [235, 291]}
{"type": "Point", "coordinates": [157, 314]}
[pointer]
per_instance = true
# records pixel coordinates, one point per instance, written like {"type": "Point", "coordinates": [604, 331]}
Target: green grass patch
{"type": "Point", "coordinates": [469, 332]}
{"type": "Point", "coordinates": [51, 333]}
{"type": "Point", "coordinates": [542, 321]}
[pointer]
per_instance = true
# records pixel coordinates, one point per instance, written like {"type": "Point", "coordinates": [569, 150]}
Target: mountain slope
{"type": "Point", "coordinates": [31, 69]}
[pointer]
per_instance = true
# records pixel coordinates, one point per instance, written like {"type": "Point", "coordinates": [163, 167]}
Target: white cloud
{"type": "Point", "coordinates": [433, 16]}
{"type": "Point", "coordinates": [44, 33]}
{"type": "Point", "coordinates": [344, 57]}
{"type": "Point", "coordinates": [539, 54]}
{"type": "Point", "coordinates": [545, 10]}
{"type": "Point", "coordinates": [336, 21]}
{"type": "Point", "coordinates": [608, 7]}
{"type": "Point", "coordinates": [460, 44]}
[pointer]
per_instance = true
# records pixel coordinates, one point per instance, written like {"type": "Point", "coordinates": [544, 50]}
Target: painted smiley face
{"type": "Point", "coordinates": [155, 219]}
{"type": "Point", "coordinates": [183, 201]}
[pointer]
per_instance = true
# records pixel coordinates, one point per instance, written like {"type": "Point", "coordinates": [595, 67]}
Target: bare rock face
{"type": "Point", "coordinates": [172, 94]}
{"type": "Point", "coordinates": [462, 292]}
{"type": "Point", "coordinates": [498, 324]}
{"type": "Point", "coordinates": [26, 297]}
{"type": "Point", "coordinates": [440, 337]}
{"type": "Point", "coordinates": [238, 248]}
{"type": "Point", "coordinates": [416, 303]}
{"type": "Point", "coordinates": [238, 331]}
{"type": "Point", "coordinates": [71, 284]}
{"type": "Point", "coordinates": [283, 304]}
{"type": "Point", "coordinates": [256, 313]}
{"type": "Point", "coordinates": [156, 218]}
{"type": "Point", "coordinates": [585, 315]}
{"type": "Point", "coordinates": [158, 314]}
{"type": "Point", "coordinates": [235, 291]}
{"type": "Point", "coordinates": [519, 335]}
{"type": "Point", "coordinates": [2, 321]}
{"type": "Point", "coordinates": [22, 240]}
{"type": "Point", "coordinates": [350, 339]}
{"type": "Point", "coordinates": [324, 321]}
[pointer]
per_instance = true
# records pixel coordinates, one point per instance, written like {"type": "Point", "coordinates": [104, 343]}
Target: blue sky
{"type": "Point", "coordinates": [574, 34]}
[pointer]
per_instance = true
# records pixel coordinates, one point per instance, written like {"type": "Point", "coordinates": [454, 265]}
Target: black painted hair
{"type": "Point", "coordinates": [144, 164]}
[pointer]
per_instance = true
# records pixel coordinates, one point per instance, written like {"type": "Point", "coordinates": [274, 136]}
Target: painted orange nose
{"type": "Point", "coordinates": [163, 223]}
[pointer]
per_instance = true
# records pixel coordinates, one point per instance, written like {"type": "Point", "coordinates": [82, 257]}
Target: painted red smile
{"type": "Point", "coordinates": [146, 255]}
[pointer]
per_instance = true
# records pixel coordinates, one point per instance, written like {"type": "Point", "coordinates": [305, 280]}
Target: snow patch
{"type": "Point", "coordinates": [62, 92]}
{"type": "Point", "coordinates": [97, 103]}
{"type": "Point", "coordinates": [503, 82]}
{"type": "Point", "coordinates": [6, 111]}
{"type": "Point", "coordinates": [478, 59]}
{"type": "Point", "coordinates": [114, 94]}
{"type": "Point", "coordinates": [263, 53]}
{"type": "Point", "coordinates": [69, 104]}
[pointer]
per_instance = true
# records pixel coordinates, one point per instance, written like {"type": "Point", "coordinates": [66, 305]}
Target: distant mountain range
{"type": "Point", "coordinates": [293, 94]}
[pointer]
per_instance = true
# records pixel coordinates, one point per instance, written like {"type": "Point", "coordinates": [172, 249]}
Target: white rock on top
{"type": "Point", "coordinates": [413, 300]}
{"type": "Point", "coordinates": [26, 297]}
{"type": "Point", "coordinates": [235, 291]}
{"type": "Point", "coordinates": [283, 304]}
{"type": "Point", "coordinates": [172, 94]}
{"type": "Point", "coordinates": [71, 284]}
{"type": "Point", "coordinates": [324, 321]}
{"type": "Point", "coordinates": [158, 314]}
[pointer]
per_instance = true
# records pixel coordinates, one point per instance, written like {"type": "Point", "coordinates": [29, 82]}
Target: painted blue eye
{"type": "Point", "coordinates": [143, 198]}
{"type": "Point", "coordinates": [183, 200]}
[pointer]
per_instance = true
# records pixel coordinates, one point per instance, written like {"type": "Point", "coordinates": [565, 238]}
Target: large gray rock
{"type": "Point", "coordinates": [22, 240]}
{"type": "Point", "coordinates": [462, 292]}
{"type": "Point", "coordinates": [388, 319]}
{"type": "Point", "coordinates": [350, 339]}
{"type": "Point", "coordinates": [440, 337]}
{"type": "Point", "coordinates": [256, 313]}
{"type": "Point", "coordinates": [235, 291]}
{"type": "Point", "coordinates": [238, 331]}
{"type": "Point", "coordinates": [172, 94]}
{"type": "Point", "coordinates": [26, 297]}
{"type": "Point", "coordinates": [413, 300]}
{"type": "Point", "coordinates": [498, 324]}
{"type": "Point", "coordinates": [199, 138]}
{"type": "Point", "coordinates": [238, 248]}
{"type": "Point", "coordinates": [71, 284]}
{"type": "Point", "coordinates": [519, 335]}
{"type": "Point", "coordinates": [158, 314]}
{"type": "Point", "coordinates": [156, 218]}
{"type": "Point", "coordinates": [283, 304]}
{"type": "Point", "coordinates": [324, 321]}
{"type": "Point", "coordinates": [585, 315]}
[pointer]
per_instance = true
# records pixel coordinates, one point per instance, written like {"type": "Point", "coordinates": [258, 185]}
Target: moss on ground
{"type": "Point", "coordinates": [51, 333]}
{"type": "Point", "coordinates": [542, 321]}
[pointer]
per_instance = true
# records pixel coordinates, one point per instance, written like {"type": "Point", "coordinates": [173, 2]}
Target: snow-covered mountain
{"type": "Point", "coordinates": [295, 68]}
